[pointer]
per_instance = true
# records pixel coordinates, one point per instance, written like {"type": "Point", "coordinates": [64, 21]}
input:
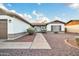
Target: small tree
{"type": "Point", "coordinates": [30, 31]}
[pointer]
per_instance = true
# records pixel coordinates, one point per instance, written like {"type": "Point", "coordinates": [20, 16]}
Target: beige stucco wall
{"type": "Point", "coordinates": [73, 28]}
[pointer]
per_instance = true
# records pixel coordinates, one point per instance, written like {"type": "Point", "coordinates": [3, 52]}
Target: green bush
{"type": "Point", "coordinates": [65, 29]}
{"type": "Point", "coordinates": [30, 31]}
{"type": "Point", "coordinates": [77, 40]}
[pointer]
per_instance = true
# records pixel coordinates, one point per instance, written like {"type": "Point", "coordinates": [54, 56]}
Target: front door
{"type": "Point", "coordinates": [3, 29]}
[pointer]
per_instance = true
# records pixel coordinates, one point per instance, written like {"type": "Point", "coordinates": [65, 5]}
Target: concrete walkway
{"type": "Point", "coordinates": [40, 42]}
{"type": "Point", "coordinates": [15, 45]}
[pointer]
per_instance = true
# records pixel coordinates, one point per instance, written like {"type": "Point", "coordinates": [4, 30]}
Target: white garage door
{"type": "Point", "coordinates": [56, 28]}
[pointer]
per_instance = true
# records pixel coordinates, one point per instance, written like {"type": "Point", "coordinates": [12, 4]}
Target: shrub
{"type": "Point", "coordinates": [65, 29]}
{"type": "Point", "coordinates": [77, 40]}
{"type": "Point", "coordinates": [30, 31]}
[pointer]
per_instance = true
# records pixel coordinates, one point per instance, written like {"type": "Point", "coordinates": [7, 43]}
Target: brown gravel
{"type": "Point", "coordinates": [26, 38]}
{"type": "Point", "coordinates": [73, 43]}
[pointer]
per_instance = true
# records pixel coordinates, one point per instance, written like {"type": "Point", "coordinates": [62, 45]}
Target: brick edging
{"type": "Point", "coordinates": [70, 44]}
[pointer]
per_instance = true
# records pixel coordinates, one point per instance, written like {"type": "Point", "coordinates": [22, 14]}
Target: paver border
{"type": "Point", "coordinates": [70, 44]}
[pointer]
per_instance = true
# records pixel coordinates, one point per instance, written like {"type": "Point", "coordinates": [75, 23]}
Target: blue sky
{"type": "Point", "coordinates": [51, 11]}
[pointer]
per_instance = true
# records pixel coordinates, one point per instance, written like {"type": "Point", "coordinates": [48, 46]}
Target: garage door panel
{"type": "Point", "coordinates": [3, 29]}
{"type": "Point", "coordinates": [55, 28]}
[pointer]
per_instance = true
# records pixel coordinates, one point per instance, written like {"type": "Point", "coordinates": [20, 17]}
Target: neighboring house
{"type": "Point", "coordinates": [56, 26]}
{"type": "Point", "coordinates": [72, 26]}
{"type": "Point", "coordinates": [40, 27]}
{"type": "Point", "coordinates": [11, 23]}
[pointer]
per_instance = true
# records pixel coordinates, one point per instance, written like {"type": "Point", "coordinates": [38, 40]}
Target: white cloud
{"type": "Point", "coordinates": [40, 17]}
{"type": "Point", "coordinates": [37, 14]}
{"type": "Point", "coordinates": [27, 16]}
{"type": "Point", "coordinates": [42, 20]}
{"type": "Point", "coordinates": [64, 19]}
{"type": "Point", "coordinates": [57, 18]}
{"type": "Point", "coordinates": [45, 19]}
{"type": "Point", "coordinates": [74, 5]}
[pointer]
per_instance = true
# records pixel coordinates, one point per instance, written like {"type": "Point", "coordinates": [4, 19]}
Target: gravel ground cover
{"type": "Point", "coordinates": [56, 41]}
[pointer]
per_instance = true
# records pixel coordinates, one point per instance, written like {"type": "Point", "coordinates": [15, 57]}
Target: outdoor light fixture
{"type": "Point", "coordinates": [10, 21]}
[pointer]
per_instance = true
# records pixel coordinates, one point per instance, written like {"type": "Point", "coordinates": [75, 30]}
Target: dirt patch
{"type": "Point", "coordinates": [26, 38]}
{"type": "Point", "coordinates": [73, 43]}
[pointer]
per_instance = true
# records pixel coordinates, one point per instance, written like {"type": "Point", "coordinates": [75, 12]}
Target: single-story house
{"type": "Point", "coordinates": [11, 23]}
{"type": "Point", "coordinates": [40, 27]}
{"type": "Point", "coordinates": [72, 26]}
{"type": "Point", "coordinates": [56, 26]}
